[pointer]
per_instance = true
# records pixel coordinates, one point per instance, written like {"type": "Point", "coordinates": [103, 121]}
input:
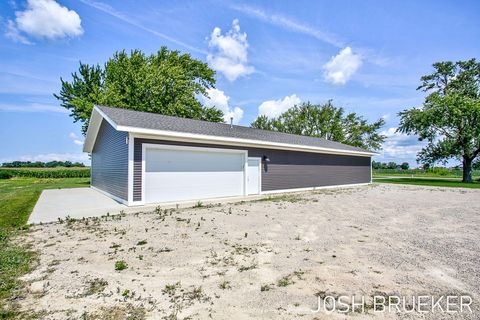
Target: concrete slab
{"type": "Point", "coordinates": [87, 202]}
{"type": "Point", "coordinates": [75, 203]}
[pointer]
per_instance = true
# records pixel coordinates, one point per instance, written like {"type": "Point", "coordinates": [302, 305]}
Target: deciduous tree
{"type": "Point", "coordinates": [166, 82]}
{"type": "Point", "coordinates": [326, 121]}
{"type": "Point", "coordinates": [450, 117]}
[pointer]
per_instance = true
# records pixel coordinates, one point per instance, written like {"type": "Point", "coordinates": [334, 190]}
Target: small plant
{"type": "Point", "coordinates": [125, 293]}
{"type": "Point", "coordinates": [246, 268]}
{"type": "Point", "coordinates": [170, 289]}
{"type": "Point", "coordinates": [95, 286]}
{"type": "Point", "coordinates": [224, 285]}
{"type": "Point", "coordinates": [120, 265]}
{"type": "Point", "coordinates": [195, 294]}
{"type": "Point", "coordinates": [142, 243]}
{"type": "Point", "coordinates": [299, 274]}
{"type": "Point", "coordinates": [285, 281]}
{"type": "Point", "coordinates": [199, 204]}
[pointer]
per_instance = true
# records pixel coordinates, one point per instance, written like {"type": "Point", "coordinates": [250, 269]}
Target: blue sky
{"type": "Point", "coordinates": [367, 56]}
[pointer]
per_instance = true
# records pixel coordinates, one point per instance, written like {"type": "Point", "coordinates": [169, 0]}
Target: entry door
{"type": "Point", "coordinates": [253, 176]}
{"type": "Point", "coordinates": [186, 173]}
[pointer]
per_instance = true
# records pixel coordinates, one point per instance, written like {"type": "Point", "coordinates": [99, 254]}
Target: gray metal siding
{"type": "Point", "coordinates": [285, 170]}
{"type": "Point", "coordinates": [110, 161]}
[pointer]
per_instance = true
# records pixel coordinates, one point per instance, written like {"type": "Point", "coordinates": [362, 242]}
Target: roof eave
{"type": "Point", "coordinates": [93, 127]}
{"type": "Point", "coordinates": [190, 137]}
{"type": "Point", "coordinates": [98, 115]}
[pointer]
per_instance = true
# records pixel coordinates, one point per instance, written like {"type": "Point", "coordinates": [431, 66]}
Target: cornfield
{"type": "Point", "coordinates": [45, 173]}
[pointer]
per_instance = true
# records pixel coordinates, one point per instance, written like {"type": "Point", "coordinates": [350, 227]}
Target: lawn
{"type": "Point", "coordinates": [17, 199]}
{"type": "Point", "coordinates": [435, 182]}
{"type": "Point", "coordinates": [416, 173]}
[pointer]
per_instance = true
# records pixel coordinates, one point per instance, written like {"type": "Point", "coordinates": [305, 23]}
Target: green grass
{"type": "Point", "coordinates": [17, 199]}
{"type": "Point", "coordinates": [436, 182]}
{"type": "Point", "coordinates": [19, 195]}
{"type": "Point", "coordinates": [416, 173]}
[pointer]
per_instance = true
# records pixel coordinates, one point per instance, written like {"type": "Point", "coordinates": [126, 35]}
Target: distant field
{"type": "Point", "coordinates": [436, 182]}
{"type": "Point", "coordinates": [57, 172]}
{"type": "Point", "coordinates": [443, 173]}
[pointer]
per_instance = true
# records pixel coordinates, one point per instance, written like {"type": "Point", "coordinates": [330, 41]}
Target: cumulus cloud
{"type": "Point", "coordinates": [75, 139]}
{"type": "Point", "coordinates": [399, 146]}
{"type": "Point", "coordinates": [274, 108]}
{"type": "Point", "coordinates": [44, 19]}
{"type": "Point", "coordinates": [217, 98]}
{"type": "Point", "coordinates": [342, 66]}
{"type": "Point", "coordinates": [229, 52]}
{"type": "Point", "coordinates": [14, 34]}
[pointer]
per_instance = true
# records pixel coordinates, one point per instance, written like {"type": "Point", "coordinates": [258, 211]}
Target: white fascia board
{"type": "Point", "coordinates": [94, 126]}
{"type": "Point", "coordinates": [199, 138]}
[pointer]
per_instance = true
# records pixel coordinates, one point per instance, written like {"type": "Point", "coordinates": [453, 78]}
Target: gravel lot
{"type": "Point", "coordinates": [269, 259]}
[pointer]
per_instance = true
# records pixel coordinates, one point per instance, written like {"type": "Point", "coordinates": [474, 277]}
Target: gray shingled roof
{"type": "Point", "coordinates": [132, 118]}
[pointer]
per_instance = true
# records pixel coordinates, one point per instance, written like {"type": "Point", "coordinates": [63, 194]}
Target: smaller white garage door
{"type": "Point", "coordinates": [185, 173]}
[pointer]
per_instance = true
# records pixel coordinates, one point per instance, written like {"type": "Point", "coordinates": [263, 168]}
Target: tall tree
{"type": "Point", "coordinates": [326, 121]}
{"type": "Point", "coordinates": [166, 82]}
{"type": "Point", "coordinates": [82, 93]}
{"type": "Point", "coordinates": [450, 117]}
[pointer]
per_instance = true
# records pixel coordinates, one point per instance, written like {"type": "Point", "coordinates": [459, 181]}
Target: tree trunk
{"type": "Point", "coordinates": [467, 170]}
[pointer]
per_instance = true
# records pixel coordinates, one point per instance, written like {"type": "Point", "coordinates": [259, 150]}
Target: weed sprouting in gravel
{"type": "Point", "coordinates": [120, 265]}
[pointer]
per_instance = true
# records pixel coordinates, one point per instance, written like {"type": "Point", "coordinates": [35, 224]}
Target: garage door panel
{"type": "Point", "coordinates": [181, 161]}
{"type": "Point", "coordinates": [174, 175]}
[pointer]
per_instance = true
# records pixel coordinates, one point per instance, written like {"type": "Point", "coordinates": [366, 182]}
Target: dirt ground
{"type": "Point", "coordinates": [269, 259]}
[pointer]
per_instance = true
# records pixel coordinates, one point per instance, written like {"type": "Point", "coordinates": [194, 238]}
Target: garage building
{"type": "Point", "coordinates": [142, 158]}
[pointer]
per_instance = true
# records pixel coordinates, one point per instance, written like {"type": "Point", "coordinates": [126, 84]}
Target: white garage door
{"type": "Point", "coordinates": [192, 173]}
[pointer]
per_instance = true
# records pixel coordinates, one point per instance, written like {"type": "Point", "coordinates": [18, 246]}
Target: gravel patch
{"type": "Point", "coordinates": [268, 259]}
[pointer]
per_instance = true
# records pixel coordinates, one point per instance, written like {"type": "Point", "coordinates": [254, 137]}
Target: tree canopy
{"type": "Point", "coordinates": [450, 117]}
{"type": "Point", "coordinates": [326, 121]}
{"type": "Point", "coordinates": [166, 82]}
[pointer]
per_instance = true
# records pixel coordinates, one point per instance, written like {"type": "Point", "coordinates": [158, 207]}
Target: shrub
{"type": "Point", "coordinates": [121, 265]}
{"type": "Point", "coordinates": [4, 174]}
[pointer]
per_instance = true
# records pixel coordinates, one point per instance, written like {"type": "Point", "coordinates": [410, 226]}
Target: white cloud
{"type": "Point", "coordinates": [74, 157]}
{"type": "Point", "coordinates": [44, 19]}
{"type": "Point", "coordinates": [342, 66]}
{"type": "Point", "coordinates": [290, 24]}
{"type": "Point", "coordinates": [229, 54]}
{"type": "Point", "coordinates": [217, 98]}
{"type": "Point", "coordinates": [33, 107]}
{"type": "Point", "coordinates": [75, 139]}
{"type": "Point", "coordinates": [399, 147]}
{"type": "Point", "coordinates": [14, 34]}
{"type": "Point", "coordinates": [273, 108]}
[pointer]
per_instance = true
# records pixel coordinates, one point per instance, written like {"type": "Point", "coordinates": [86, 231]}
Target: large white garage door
{"type": "Point", "coordinates": [191, 174]}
